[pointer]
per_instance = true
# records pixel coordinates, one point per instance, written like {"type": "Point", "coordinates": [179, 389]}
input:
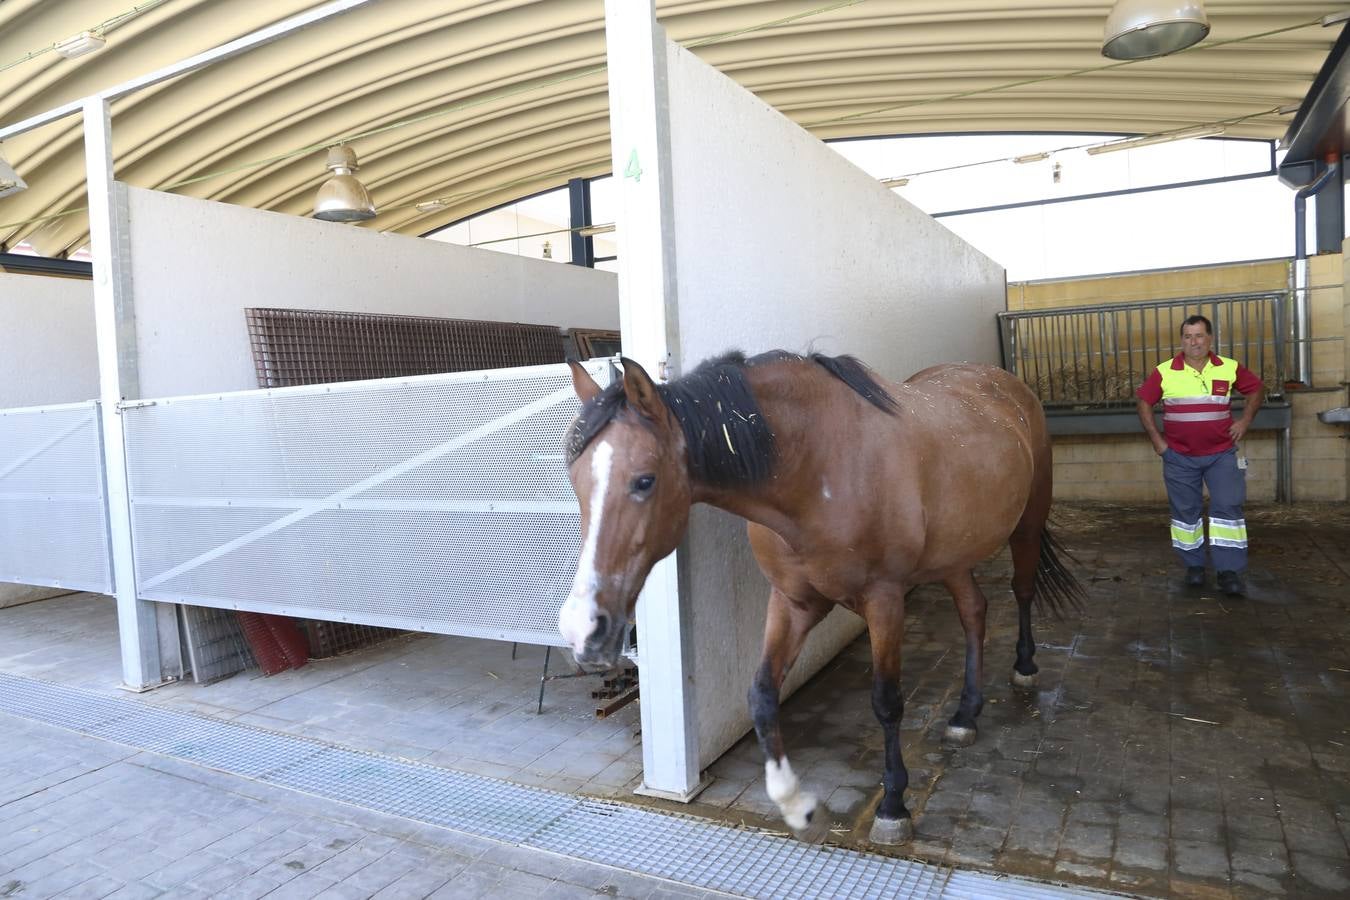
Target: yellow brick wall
{"type": "Point", "coordinates": [1199, 282]}
{"type": "Point", "coordinates": [1124, 468]}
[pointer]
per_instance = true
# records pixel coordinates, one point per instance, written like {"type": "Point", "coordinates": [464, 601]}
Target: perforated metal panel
{"type": "Point", "coordinates": [53, 515]}
{"type": "Point", "coordinates": [439, 503]}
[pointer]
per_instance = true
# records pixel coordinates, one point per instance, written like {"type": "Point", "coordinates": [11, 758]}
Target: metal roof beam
{"type": "Point", "coordinates": [192, 63]}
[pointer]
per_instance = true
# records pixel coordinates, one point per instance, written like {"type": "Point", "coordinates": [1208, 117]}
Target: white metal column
{"type": "Point", "coordinates": [114, 323]}
{"type": "Point", "coordinates": [639, 112]}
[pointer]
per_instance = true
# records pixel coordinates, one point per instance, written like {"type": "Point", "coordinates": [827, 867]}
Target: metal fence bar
{"type": "Point", "coordinates": [1085, 355]}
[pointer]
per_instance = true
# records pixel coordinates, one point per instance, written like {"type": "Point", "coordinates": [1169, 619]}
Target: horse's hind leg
{"type": "Point", "coordinates": [785, 631]}
{"type": "Point", "coordinates": [971, 606]}
{"type": "Point", "coordinates": [886, 629]}
{"type": "Point", "coordinates": [1025, 544]}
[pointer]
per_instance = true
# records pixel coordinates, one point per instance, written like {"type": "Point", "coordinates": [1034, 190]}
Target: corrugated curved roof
{"type": "Point", "coordinates": [513, 92]}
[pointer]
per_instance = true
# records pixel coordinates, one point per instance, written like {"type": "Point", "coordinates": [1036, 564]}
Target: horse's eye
{"type": "Point", "coordinates": [643, 484]}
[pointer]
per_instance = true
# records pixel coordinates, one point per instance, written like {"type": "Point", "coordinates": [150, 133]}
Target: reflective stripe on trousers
{"type": "Point", "coordinates": [1228, 532]}
{"type": "Point", "coordinates": [1186, 478]}
{"type": "Point", "coordinates": [1187, 537]}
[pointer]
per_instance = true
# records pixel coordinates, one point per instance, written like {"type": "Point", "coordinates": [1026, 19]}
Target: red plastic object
{"type": "Point", "coordinates": [290, 639]}
{"type": "Point", "coordinates": [266, 650]}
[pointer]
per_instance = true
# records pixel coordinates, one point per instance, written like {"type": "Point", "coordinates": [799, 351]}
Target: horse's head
{"type": "Point", "coordinates": [632, 482]}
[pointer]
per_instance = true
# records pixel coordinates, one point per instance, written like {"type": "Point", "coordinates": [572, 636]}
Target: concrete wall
{"type": "Point", "coordinates": [781, 243]}
{"type": "Point", "coordinates": [47, 351]}
{"type": "Point", "coordinates": [1123, 468]}
{"type": "Point", "coordinates": [196, 265]}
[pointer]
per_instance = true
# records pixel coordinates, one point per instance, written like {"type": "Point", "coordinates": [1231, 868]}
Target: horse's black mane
{"type": "Point", "coordinates": [728, 439]}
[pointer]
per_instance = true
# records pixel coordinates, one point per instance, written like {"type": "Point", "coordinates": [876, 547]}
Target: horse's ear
{"type": "Point", "coordinates": [641, 391]}
{"type": "Point", "coordinates": [582, 382]}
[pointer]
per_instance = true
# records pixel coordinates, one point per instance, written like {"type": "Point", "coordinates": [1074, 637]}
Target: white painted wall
{"type": "Point", "coordinates": [47, 350]}
{"type": "Point", "coordinates": [196, 265]}
{"type": "Point", "coordinates": [782, 243]}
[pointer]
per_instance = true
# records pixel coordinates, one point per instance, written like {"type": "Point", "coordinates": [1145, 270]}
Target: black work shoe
{"type": "Point", "coordinates": [1231, 584]}
{"type": "Point", "coordinates": [1195, 576]}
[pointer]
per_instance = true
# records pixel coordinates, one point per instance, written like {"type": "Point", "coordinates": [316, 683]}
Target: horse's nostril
{"type": "Point", "coordinates": [601, 629]}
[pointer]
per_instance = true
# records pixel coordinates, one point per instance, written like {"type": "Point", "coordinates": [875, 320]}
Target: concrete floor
{"type": "Point", "coordinates": [1179, 744]}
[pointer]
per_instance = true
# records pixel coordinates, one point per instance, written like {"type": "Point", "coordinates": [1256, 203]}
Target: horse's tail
{"type": "Point", "coordinates": [1056, 587]}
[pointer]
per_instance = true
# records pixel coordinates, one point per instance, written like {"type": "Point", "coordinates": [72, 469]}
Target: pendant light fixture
{"type": "Point", "coordinates": [343, 198]}
{"type": "Point", "coordinates": [1144, 29]}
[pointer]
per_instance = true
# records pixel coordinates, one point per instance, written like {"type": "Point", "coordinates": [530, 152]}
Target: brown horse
{"type": "Point", "coordinates": [856, 490]}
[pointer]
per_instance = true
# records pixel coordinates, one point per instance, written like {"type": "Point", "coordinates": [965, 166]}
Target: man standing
{"type": "Point", "coordinates": [1195, 388]}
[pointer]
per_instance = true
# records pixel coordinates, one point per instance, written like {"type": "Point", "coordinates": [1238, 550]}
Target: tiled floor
{"type": "Point", "coordinates": [1179, 744]}
{"type": "Point", "coordinates": [84, 818]}
{"type": "Point", "coordinates": [447, 701]}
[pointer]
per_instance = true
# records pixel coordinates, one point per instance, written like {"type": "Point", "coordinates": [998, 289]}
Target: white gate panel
{"type": "Point", "coordinates": [439, 503]}
{"type": "Point", "coordinates": [53, 513]}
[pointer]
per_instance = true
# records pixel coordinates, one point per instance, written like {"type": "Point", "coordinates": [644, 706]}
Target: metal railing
{"type": "Point", "coordinates": [1095, 356]}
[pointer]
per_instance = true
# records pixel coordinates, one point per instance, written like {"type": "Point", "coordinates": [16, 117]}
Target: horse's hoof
{"type": "Point", "coordinates": [816, 830]}
{"type": "Point", "coordinates": [958, 736]}
{"type": "Point", "coordinates": [1024, 681]}
{"type": "Point", "coordinates": [889, 832]}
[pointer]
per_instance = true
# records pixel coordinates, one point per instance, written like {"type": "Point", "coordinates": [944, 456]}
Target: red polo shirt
{"type": "Point", "coordinates": [1196, 411]}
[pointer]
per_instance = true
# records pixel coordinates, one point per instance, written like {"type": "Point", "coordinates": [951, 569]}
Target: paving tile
{"type": "Point", "coordinates": [1266, 828]}
{"type": "Point", "coordinates": [94, 888]}
{"type": "Point", "coordinates": [1257, 886]}
{"type": "Point", "coordinates": [471, 885]}
{"type": "Point", "coordinates": [136, 891]}
{"type": "Point", "coordinates": [1138, 852]}
{"type": "Point", "coordinates": [1088, 843]}
{"type": "Point", "coordinates": [249, 887]}
{"type": "Point", "coordinates": [1200, 858]}
{"type": "Point", "coordinates": [420, 882]}
{"type": "Point", "coordinates": [1328, 844]}
{"type": "Point", "coordinates": [1322, 873]}
{"type": "Point", "coordinates": [64, 878]}
{"type": "Point", "coordinates": [1196, 824]}
{"type": "Point", "coordinates": [220, 875]}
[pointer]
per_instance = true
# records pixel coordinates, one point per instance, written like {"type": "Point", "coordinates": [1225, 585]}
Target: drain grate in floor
{"type": "Point", "coordinates": [680, 848]}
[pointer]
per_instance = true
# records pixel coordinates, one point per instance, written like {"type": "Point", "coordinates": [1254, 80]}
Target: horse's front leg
{"type": "Point", "coordinates": [785, 631]}
{"type": "Point", "coordinates": [885, 614]}
{"type": "Point", "coordinates": [971, 606]}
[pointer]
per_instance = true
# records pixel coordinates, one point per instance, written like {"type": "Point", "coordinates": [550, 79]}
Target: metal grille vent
{"type": "Point", "coordinates": [215, 643]}
{"type": "Point", "coordinates": [301, 346]}
{"type": "Point", "coordinates": [439, 503]}
{"type": "Point", "coordinates": [53, 516]}
{"type": "Point", "coordinates": [680, 848]}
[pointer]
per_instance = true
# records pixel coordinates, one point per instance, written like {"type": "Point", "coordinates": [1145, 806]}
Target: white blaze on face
{"type": "Point", "coordinates": [577, 619]}
{"type": "Point", "coordinates": [785, 790]}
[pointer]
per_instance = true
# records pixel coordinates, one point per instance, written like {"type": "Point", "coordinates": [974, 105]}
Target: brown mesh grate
{"type": "Point", "coordinates": [300, 346]}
